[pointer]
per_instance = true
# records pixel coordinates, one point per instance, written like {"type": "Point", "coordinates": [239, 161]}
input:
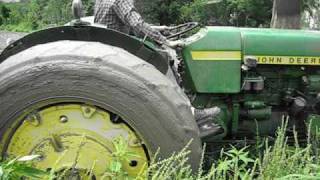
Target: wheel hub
{"type": "Point", "coordinates": [75, 138]}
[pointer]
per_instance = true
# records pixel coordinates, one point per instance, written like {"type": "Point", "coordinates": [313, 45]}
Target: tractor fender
{"type": "Point", "coordinates": [90, 34]}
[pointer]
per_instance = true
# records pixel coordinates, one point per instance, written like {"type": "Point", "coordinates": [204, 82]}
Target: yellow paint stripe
{"type": "Point", "coordinates": [216, 55]}
{"type": "Point", "coordinates": [288, 60]}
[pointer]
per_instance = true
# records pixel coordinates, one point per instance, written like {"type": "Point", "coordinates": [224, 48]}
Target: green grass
{"type": "Point", "coordinates": [26, 27]}
{"type": "Point", "coordinates": [20, 167]}
{"type": "Point", "coordinates": [277, 161]}
{"type": "Point", "coordinates": [22, 27]}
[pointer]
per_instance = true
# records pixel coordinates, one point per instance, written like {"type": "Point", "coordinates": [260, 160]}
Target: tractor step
{"type": "Point", "coordinates": [208, 128]}
{"type": "Point", "coordinates": [205, 120]}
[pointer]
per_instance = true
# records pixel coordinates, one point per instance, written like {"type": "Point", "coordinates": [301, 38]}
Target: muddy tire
{"type": "Point", "coordinates": [104, 76]}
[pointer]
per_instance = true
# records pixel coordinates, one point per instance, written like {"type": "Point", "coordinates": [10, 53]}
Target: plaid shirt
{"type": "Point", "coordinates": [121, 15]}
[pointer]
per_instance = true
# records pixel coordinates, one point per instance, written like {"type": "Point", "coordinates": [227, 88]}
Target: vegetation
{"type": "Point", "coordinates": [252, 13]}
{"type": "Point", "coordinates": [277, 161]}
{"type": "Point", "coordinates": [36, 14]}
{"type": "Point", "coordinates": [20, 167]}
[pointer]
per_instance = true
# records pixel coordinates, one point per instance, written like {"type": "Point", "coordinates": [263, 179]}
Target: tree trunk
{"type": "Point", "coordinates": [286, 14]}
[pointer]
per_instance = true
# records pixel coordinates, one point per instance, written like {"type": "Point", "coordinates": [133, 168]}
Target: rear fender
{"type": "Point", "coordinates": [93, 34]}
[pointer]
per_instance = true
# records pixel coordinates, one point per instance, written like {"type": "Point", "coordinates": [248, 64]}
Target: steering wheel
{"type": "Point", "coordinates": [176, 31]}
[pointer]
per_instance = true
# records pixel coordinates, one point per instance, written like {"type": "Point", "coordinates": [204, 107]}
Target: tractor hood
{"type": "Point", "coordinates": [220, 51]}
{"type": "Point", "coordinates": [282, 47]}
{"type": "Point", "coordinates": [261, 43]}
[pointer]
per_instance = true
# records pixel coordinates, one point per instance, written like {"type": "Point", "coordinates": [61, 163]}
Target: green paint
{"type": "Point", "coordinates": [217, 76]}
{"type": "Point", "coordinates": [275, 42]}
{"type": "Point", "coordinates": [314, 83]}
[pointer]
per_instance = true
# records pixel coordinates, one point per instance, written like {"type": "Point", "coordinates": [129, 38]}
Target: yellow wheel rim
{"type": "Point", "coordinates": [77, 137]}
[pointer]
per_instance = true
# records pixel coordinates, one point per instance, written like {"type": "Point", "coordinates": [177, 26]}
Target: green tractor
{"type": "Point", "coordinates": [71, 90]}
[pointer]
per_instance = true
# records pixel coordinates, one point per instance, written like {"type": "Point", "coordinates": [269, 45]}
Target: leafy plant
{"type": "Point", "coordinates": [278, 160]}
{"type": "Point", "coordinates": [120, 155]}
{"type": "Point", "coordinates": [20, 167]}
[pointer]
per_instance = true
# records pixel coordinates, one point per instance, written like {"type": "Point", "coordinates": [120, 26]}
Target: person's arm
{"type": "Point", "coordinates": [129, 15]}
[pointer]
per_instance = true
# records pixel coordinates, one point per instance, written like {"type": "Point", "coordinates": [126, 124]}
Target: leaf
{"type": "Point", "coordinates": [245, 159]}
{"type": "Point", "coordinates": [115, 166]}
{"type": "Point", "coordinates": [244, 175]}
{"type": "Point", "coordinates": [28, 158]}
{"type": "Point", "coordinates": [27, 171]}
{"type": "Point", "coordinates": [224, 165]}
{"type": "Point", "coordinates": [1, 172]}
{"type": "Point", "coordinates": [13, 161]}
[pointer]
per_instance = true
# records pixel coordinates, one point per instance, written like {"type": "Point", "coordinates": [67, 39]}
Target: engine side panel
{"type": "Point", "coordinates": [213, 63]}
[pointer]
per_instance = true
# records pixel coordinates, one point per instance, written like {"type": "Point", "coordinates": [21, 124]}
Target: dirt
{"type": "Point", "coordinates": [4, 36]}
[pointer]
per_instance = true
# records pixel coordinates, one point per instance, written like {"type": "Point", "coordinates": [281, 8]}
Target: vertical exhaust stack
{"type": "Point", "coordinates": [78, 13]}
{"type": "Point", "coordinates": [77, 9]}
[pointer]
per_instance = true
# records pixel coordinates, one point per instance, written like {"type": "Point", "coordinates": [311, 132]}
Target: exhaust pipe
{"type": "Point", "coordinates": [77, 9]}
{"type": "Point", "coordinates": [78, 13]}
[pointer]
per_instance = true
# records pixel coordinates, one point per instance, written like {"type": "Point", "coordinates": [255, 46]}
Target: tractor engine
{"type": "Point", "coordinates": [271, 92]}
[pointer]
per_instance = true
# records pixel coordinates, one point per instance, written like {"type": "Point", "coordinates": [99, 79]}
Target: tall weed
{"type": "Point", "coordinates": [278, 160]}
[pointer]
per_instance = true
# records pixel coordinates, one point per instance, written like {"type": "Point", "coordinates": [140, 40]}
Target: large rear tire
{"type": "Point", "coordinates": [103, 76]}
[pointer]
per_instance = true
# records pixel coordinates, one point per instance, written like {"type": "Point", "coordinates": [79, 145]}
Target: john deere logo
{"type": "Point", "coordinates": [288, 60]}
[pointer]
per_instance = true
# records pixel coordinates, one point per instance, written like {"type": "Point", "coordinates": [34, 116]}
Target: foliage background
{"type": "Point", "coordinates": [36, 14]}
{"type": "Point", "coordinates": [31, 15]}
{"type": "Point", "coordinates": [253, 13]}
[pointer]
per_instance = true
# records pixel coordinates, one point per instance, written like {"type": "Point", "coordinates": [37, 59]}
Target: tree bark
{"type": "Point", "coordinates": [286, 14]}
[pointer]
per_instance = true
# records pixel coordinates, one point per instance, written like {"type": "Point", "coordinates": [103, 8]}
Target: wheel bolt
{"type": "Point", "coordinates": [34, 119]}
{"type": "Point", "coordinates": [63, 119]}
{"type": "Point", "coordinates": [87, 110]}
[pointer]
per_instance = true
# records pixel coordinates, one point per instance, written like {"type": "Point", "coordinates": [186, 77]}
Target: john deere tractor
{"type": "Point", "coordinates": [67, 92]}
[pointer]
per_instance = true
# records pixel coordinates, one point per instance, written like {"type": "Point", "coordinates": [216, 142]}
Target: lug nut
{"type": "Point", "coordinates": [87, 110]}
{"type": "Point", "coordinates": [34, 119]}
{"type": "Point", "coordinates": [63, 119]}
